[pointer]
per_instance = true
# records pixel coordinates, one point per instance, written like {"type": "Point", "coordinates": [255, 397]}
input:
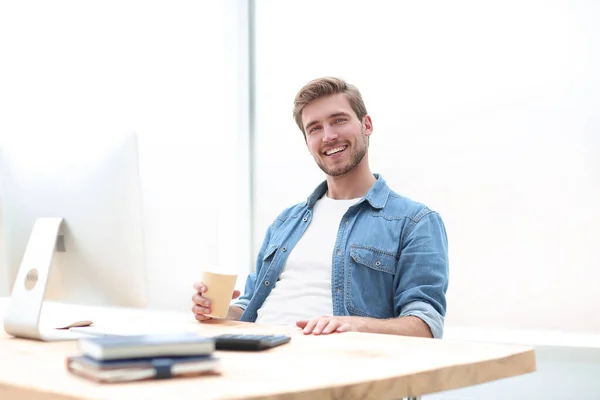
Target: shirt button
{"type": "Point", "coordinates": [304, 219]}
{"type": "Point", "coordinates": [283, 249]}
{"type": "Point", "coordinates": [267, 283]}
{"type": "Point", "coordinates": [377, 263]}
{"type": "Point", "coordinates": [339, 252]}
{"type": "Point", "coordinates": [346, 222]}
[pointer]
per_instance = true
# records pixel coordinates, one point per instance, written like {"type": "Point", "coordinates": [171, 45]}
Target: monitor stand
{"type": "Point", "coordinates": [22, 318]}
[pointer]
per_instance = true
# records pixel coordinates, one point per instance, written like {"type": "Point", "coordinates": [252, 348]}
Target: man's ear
{"type": "Point", "coordinates": [367, 125]}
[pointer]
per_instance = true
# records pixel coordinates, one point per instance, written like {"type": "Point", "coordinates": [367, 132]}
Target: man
{"type": "Point", "coordinates": [355, 255]}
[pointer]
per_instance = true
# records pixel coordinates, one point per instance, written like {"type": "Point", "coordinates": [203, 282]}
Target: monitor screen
{"type": "Point", "coordinates": [92, 183]}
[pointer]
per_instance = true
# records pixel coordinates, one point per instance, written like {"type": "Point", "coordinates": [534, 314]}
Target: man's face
{"type": "Point", "coordinates": [335, 137]}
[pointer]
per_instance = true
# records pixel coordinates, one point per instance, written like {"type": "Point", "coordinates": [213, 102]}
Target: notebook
{"type": "Point", "coordinates": [127, 370]}
{"type": "Point", "coordinates": [145, 346]}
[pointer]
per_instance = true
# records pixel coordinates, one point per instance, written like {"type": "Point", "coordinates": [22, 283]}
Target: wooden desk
{"type": "Point", "coordinates": [340, 366]}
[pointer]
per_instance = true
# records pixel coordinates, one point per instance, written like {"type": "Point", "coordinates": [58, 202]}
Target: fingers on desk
{"type": "Point", "coordinates": [322, 326]}
{"type": "Point", "coordinates": [201, 317]}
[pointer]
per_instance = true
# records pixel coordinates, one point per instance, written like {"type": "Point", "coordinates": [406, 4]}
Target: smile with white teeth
{"type": "Point", "coordinates": [335, 150]}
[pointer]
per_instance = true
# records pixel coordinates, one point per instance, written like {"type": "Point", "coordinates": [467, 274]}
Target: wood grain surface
{"type": "Point", "coordinates": [339, 366]}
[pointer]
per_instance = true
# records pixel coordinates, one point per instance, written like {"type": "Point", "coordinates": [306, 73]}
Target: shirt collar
{"type": "Point", "coordinates": [376, 196]}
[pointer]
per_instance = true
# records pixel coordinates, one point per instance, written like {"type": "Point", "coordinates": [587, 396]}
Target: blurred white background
{"type": "Point", "coordinates": [172, 71]}
{"type": "Point", "coordinates": [487, 112]}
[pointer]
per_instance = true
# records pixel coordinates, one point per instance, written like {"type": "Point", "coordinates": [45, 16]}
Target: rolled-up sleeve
{"type": "Point", "coordinates": [427, 314]}
{"type": "Point", "coordinates": [422, 278]}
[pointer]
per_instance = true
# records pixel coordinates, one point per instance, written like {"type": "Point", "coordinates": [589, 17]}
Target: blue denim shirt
{"type": "Point", "coordinates": [390, 258]}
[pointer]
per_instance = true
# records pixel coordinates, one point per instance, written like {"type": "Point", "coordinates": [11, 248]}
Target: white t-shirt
{"type": "Point", "coordinates": [303, 290]}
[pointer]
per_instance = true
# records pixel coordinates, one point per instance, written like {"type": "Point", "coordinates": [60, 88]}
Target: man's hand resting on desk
{"type": "Point", "coordinates": [406, 326]}
{"type": "Point", "coordinates": [326, 325]}
{"type": "Point", "coordinates": [202, 304]}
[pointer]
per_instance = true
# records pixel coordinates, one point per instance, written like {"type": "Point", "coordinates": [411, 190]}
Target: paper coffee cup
{"type": "Point", "coordinates": [219, 289]}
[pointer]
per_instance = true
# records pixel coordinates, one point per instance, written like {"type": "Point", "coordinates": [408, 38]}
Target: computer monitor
{"type": "Point", "coordinates": [72, 216]}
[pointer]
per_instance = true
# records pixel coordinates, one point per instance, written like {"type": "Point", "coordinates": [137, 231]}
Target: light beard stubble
{"type": "Point", "coordinates": [355, 159]}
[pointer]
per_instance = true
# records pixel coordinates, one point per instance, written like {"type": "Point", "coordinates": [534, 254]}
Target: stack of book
{"type": "Point", "coordinates": [142, 357]}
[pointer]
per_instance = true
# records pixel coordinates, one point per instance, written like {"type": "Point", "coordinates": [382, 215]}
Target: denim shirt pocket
{"type": "Point", "coordinates": [370, 282]}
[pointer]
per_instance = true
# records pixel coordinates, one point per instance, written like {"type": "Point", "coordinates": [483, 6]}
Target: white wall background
{"type": "Point", "coordinates": [169, 71]}
{"type": "Point", "coordinates": [487, 112]}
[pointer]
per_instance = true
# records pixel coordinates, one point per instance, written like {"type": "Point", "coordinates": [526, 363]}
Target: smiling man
{"type": "Point", "coordinates": [355, 256]}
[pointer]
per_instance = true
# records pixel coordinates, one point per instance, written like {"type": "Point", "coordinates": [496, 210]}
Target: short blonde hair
{"type": "Point", "coordinates": [327, 86]}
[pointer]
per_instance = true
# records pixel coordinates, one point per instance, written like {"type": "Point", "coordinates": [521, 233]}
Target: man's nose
{"type": "Point", "coordinates": [329, 134]}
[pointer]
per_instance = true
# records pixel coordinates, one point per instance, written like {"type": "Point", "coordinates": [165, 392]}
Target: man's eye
{"type": "Point", "coordinates": [339, 120]}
